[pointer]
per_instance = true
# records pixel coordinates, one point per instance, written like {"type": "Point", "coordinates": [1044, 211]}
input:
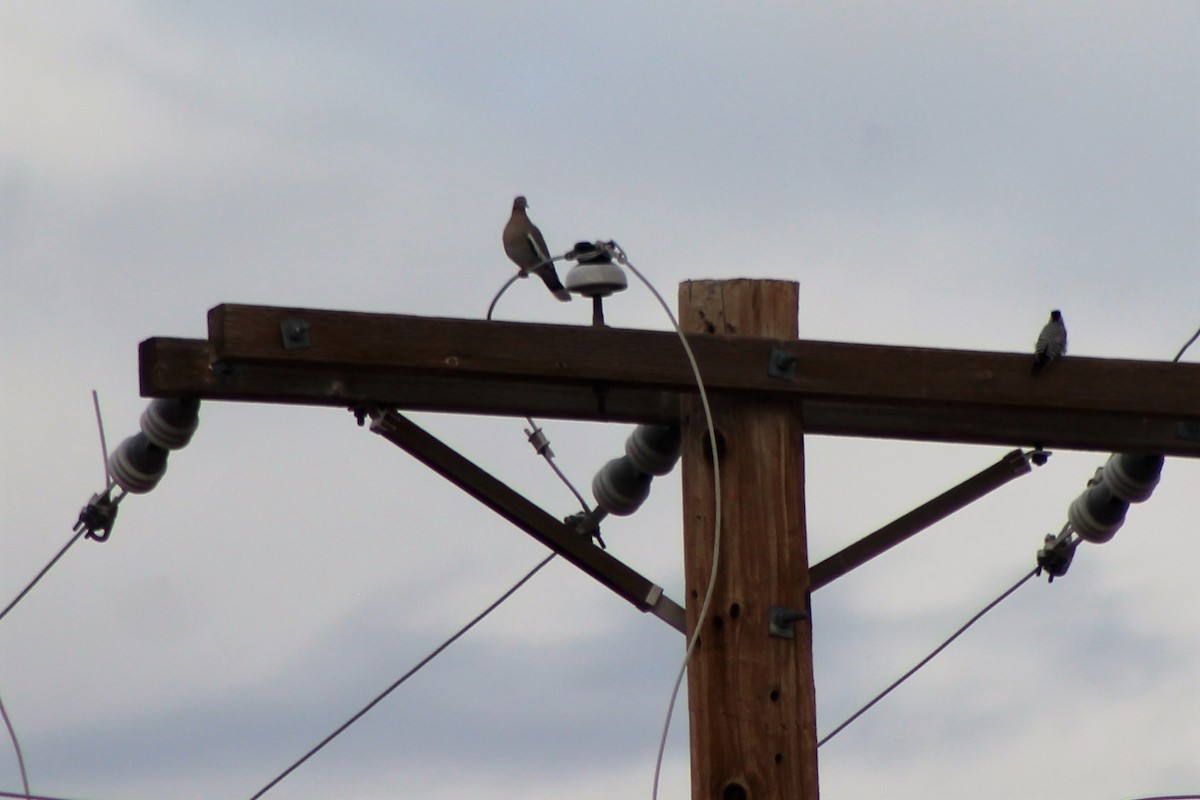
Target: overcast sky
{"type": "Point", "coordinates": [933, 174]}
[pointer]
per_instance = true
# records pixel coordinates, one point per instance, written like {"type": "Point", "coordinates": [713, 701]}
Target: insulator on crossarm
{"type": "Point", "coordinates": [620, 488]}
{"type": "Point", "coordinates": [1097, 514]}
{"type": "Point", "coordinates": [170, 422]}
{"type": "Point", "coordinates": [653, 449]}
{"type": "Point", "coordinates": [138, 464]}
{"type": "Point", "coordinates": [1133, 476]}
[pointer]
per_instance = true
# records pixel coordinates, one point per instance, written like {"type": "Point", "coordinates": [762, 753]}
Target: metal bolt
{"type": "Point", "coordinates": [295, 333]}
{"type": "Point", "coordinates": [781, 621]}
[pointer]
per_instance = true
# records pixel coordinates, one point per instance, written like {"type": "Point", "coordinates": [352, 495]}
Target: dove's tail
{"type": "Point", "coordinates": [550, 277]}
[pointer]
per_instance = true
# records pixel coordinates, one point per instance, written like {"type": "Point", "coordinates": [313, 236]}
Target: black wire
{"type": "Point", "coordinates": [38, 577]}
{"type": "Point", "coordinates": [405, 676]}
{"type": "Point", "coordinates": [1183, 349]}
{"type": "Point", "coordinates": [12, 733]}
{"type": "Point", "coordinates": [927, 658]}
{"type": "Point", "coordinates": [971, 622]}
{"type": "Point", "coordinates": [500, 293]}
{"type": "Point", "coordinates": [521, 273]}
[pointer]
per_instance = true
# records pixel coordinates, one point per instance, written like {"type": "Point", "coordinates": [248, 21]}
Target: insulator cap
{"type": "Point", "coordinates": [653, 449]}
{"type": "Point", "coordinates": [170, 422]}
{"type": "Point", "coordinates": [1132, 476]}
{"type": "Point", "coordinates": [594, 275]}
{"type": "Point", "coordinates": [620, 488]}
{"type": "Point", "coordinates": [1097, 514]}
{"type": "Point", "coordinates": [138, 464]}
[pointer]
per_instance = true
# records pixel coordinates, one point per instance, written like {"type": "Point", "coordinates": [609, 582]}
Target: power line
{"type": "Point", "coordinates": [615, 250]}
{"type": "Point", "coordinates": [43, 571]}
{"type": "Point", "coordinates": [971, 622]}
{"type": "Point", "coordinates": [12, 733]}
{"type": "Point", "coordinates": [1183, 349]}
{"type": "Point", "coordinates": [927, 658]}
{"type": "Point", "coordinates": [80, 528]}
{"type": "Point", "coordinates": [542, 446]}
{"type": "Point", "coordinates": [437, 651]}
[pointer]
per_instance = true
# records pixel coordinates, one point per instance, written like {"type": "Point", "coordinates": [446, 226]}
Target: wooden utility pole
{"type": "Point", "coordinates": [751, 699]}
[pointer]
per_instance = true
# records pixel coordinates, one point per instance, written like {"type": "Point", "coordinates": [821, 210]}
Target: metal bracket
{"type": "Point", "coordinates": [295, 333]}
{"type": "Point", "coordinates": [97, 518]}
{"type": "Point", "coordinates": [782, 364]}
{"type": "Point", "coordinates": [781, 621]}
{"type": "Point", "coordinates": [1188, 430]}
{"type": "Point", "coordinates": [223, 371]}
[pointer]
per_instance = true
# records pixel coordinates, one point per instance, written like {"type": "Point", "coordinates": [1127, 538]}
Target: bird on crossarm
{"type": "Point", "coordinates": [526, 247]}
{"type": "Point", "coordinates": [1051, 342]}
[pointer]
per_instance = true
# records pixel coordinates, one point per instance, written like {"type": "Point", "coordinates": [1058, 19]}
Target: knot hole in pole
{"type": "Point", "coordinates": [735, 791]}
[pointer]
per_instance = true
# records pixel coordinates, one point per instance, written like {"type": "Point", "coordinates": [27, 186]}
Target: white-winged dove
{"type": "Point", "coordinates": [526, 246]}
{"type": "Point", "coordinates": [1051, 342]}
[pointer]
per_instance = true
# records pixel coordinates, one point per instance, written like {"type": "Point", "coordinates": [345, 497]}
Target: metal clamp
{"type": "Point", "coordinates": [295, 333]}
{"type": "Point", "coordinates": [781, 621]}
{"type": "Point", "coordinates": [1188, 430]}
{"type": "Point", "coordinates": [782, 364]}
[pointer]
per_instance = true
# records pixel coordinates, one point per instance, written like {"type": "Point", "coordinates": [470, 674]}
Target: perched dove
{"type": "Point", "coordinates": [1051, 342]}
{"type": "Point", "coordinates": [526, 246]}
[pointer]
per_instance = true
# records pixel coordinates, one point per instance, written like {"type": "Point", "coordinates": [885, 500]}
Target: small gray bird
{"type": "Point", "coordinates": [526, 246]}
{"type": "Point", "coordinates": [1051, 342]}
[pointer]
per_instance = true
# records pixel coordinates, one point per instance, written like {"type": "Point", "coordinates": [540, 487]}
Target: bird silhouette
{"type": "Point", "coordinates": [1051, 342]}
{"type": "Point", "coordinates": [526, 246]}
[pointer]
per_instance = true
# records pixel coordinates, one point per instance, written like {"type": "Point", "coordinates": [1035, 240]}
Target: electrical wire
{"type": "Point", "coordinates": [927, 658]}
{"type": "Point", "coordinates": [616, 252]}
{"type": "Point", "coordinates": [500, 293]}
{"type": "Point", "coordinates": [108, 481]}
{"type": "Point", "coordinates": [43, 571]}
{"type": "Point", "coordinates": [379, 698]}
{"type": "Point", "coordinates": [28, 796]}
{"type": "Point", "coordinates": [108, 485]}
{"type": "Point", "coordinates": [521, 273]}
{"type": "Point", "coordinates": [1183, 349]}
{"type": "Point", "coordinates": [12, 733]}
{"type": "Point", "coordinates": [1178, 356]}
{"type": "Point", "coordinates": [545, 453]}
{"type": "Point", "coordinates": [1065, 532]}
{"type": "Point", "coordinates": [534, 427]}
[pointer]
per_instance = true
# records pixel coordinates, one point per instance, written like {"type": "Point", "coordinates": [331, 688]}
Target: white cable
{"type": "Point", "coordinates": [533, 425]}
{"type": "Point", "coordinates": [615, 250]}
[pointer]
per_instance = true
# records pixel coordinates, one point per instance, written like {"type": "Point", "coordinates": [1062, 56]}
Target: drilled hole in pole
{"type": "Point", "coordinates": [735, 791]}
